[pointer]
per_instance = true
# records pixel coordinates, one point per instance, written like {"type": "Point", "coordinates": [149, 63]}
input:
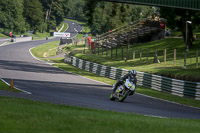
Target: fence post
{"type": "Point", "coordinates": [128, 46]}
{"type": "Point", "coordinates": [147, 56]}
{"type": "Point", "coordinates": [140, 55]}
{"type": "Point", "coordinates": [133, 54]}
{"type": "Point", "coordinates": [174, 56]}
{"type": "Point", "coordinates": [156, 60]}
{"type": "Point", "coordinates": [185, 59]}
{"type": "Point", "coordinates": [111, 51]}
{"type": "Point", "coordinates": [197, 58]}
{"type": "Point", "coordinates": [98, 48]}
{"type": "Point", "coordinates": [165, 56]}
{"type": "Point", "coordinates": [85, 45]}
{"type": "Point", "coordinates": [106, 50]}
{"type": "Point", "coordinates": [122, 53]}
{"type": "Point", "coordinates": [116, 52]}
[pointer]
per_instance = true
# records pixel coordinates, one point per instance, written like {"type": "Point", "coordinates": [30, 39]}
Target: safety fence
{"type": "Point", "coordinates": [173, 86]}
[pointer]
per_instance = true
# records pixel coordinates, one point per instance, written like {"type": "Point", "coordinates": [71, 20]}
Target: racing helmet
{"type": "Point", "coordinates": [133, 73]}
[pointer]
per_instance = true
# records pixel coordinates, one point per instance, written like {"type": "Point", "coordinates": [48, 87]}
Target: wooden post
{"type": "Point", "coordinates": [174, 56]}
{"type": "Point", "coordinates": [116, 52]}
{"type": "Point", "coordinates": [85, 45]}
{"type": "Point", "coordinates": [122, 53]}
{"type": "Point", "coordinates": [111, 51]}
{"type": "Point", "coordinates": [140, 55]}
{"type": "Point", "coordinates": [156, 60]}
{"type": "Point", "coordinates": [185, 59]}
{"type": "Point", "coordinates": [165, 56]}
{"type": "Point", "coordinates": [12, 84]}
{"type": "Point", "coordinates": [128, 46]}
{"type": "Point", "coordinates": [197, 58]}
{"type": "Point", "coordinates": [133, 54]}
{"type": "Point", "coordinates": [106, 50]}
{"type": "Point", "coordinates": [98, 49]}
{"type": "Point", "coordinates": [147, 56]}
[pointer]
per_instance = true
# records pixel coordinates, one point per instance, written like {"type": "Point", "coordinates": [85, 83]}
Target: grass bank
{"type": "Point", "coordinates": [145, 63]}
{"type": "Point", "coordinates": [4, 36]}
{"type": "Point", "coordinates": [45, 117]}
{"type": "Point", "coordinates": [46, 50]}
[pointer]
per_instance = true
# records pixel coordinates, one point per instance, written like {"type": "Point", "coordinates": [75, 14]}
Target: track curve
{"type": "Point", "coordinates": [47, 83]}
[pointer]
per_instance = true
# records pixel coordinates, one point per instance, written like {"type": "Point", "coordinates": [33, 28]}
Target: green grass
{"type": "Point", "coordinates": [46, 50]}
{"type": "Point", "coordinates": [39, 36]}
{"type": "Point", "coordinates": [4, 36]}
{"type": "Point", "coordinates": [22, 116]}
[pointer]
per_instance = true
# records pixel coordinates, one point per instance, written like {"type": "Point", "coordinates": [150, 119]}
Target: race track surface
{"type": "Point", "coordinates": [47, 83]}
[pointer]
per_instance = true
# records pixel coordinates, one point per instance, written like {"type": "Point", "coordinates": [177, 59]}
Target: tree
{"type": "Point", "coordinates": [11, 18]}
{"type": "Point", "coordinates": [34, 14]}
{"type": "Point", "coordinates": [178, 17]}
{"type": "Point", "coordinates": [105, 16]}
{"type": "Point", "coordinates": [54, 12]}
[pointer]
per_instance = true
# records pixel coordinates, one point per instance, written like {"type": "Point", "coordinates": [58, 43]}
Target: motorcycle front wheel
{"type": "Point", "coordinates": [123, 95]}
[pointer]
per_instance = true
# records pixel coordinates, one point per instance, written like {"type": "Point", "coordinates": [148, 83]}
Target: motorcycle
{"type": "Point", "coordinates": [123, 90]}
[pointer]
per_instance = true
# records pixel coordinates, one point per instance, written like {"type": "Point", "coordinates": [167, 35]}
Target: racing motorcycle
{"type": "Point", "coordinates": [122, 91]}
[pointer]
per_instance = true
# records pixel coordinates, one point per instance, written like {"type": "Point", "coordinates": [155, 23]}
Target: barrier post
{"type": "Point", "coordinates": [165, 56]}
{"type": "Point", "coordinates": [122, 53]}
{"type": "Point", "coordinates": [140, 55]}
{"type": "Point", "coordinates": [133, 54]}
{"type": "Point", "coordinates": [12, 84]}
{"type": "Point", "coordinates": [174, 56]}
{"type": "Point", "coordinates": [147, 56]}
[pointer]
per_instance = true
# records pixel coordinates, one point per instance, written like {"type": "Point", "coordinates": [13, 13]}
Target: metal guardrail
{"type": "Point", "coordinates": [173, 86]}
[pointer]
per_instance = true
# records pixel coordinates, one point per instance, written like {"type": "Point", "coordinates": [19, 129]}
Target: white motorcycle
{"type": "Point", "coordinates": [122, 91]}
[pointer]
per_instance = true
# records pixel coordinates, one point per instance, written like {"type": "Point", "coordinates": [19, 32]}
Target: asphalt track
{"type": "Point", "coordinates": [50, 84]}
{"type": "Point", "coordinates": [73, 27]}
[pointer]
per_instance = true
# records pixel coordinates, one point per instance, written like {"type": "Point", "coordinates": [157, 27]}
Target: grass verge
{"type": "Point", "coordinates": [45, 117]}
{"type": "Point", "coordinates": [4, 36]}
{"type": "Point", "coordinates": [46, 50]}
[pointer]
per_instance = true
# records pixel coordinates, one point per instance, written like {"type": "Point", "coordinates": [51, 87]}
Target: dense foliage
{"type": "Point", "coordinates": [177, 18]}
{"type": "Point", "coordinates": [107, 16]}
{"type": "Point", "coordinates": [36, 15]}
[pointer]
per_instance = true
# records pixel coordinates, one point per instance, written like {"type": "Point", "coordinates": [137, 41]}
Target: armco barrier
{"type": "Point", "coordinates": [21, 39]}
{"type": "Point", "coordinates": [176, 87]}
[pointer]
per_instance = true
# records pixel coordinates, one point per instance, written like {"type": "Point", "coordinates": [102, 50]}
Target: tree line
{"type": "Point", "coordinates": [36, 15]}
{"type": "Point", "coordinates": [20, 16]}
